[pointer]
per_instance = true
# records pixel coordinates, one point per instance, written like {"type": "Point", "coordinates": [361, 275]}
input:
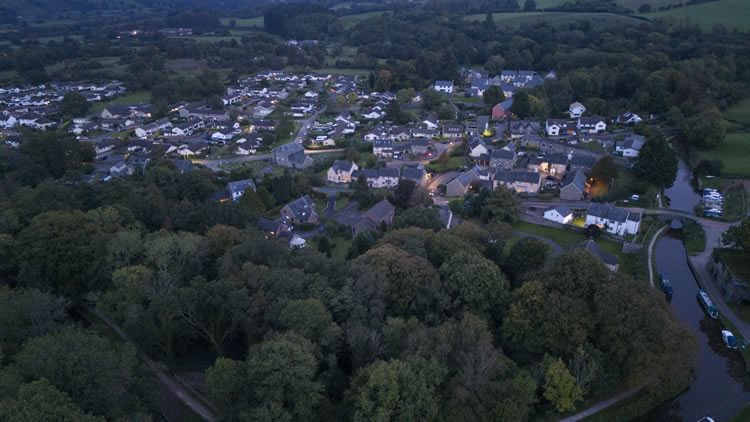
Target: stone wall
{"type": "Point", "coordinates": [732, 288]}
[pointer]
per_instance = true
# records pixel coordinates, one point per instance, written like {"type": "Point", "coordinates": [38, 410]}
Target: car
{"type": "Point", "coordinates": [635, 197]}
{"type": "Point", "coordinates": [103, 158]}
{"type": "Point", "coordinates": [432, 193]}
{"type": "Point", "coordinates": [551, 178]}
{"type": "Point", "coordinates": [521, 154]}
{"type": "Point", "coordinates": [729, 339]}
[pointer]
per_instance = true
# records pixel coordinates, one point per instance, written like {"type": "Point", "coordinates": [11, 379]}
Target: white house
{"type": "Point", "coordinates": [245, 147]}
{"type": "Point", "coordinates": [556, 127]}
{"type": "Point", "coordinates": [430, 123]}
{"type": "Point", "coordinates": [618, 221]}
{"type": "Point", "coordinates": [446, 87]}
{"type": "Point", "coordinates": [631, 145]}
{"type": "Point", "coordinates": [477, 147]}
{"type": "Point", "coordinates": [7, 122]}
{"type": "Point", "coordinates": [576, 110]}
{"type": "Point", "coordinates": [381, 178]}
{"type": "Point", "coordinates": [628, 118]}
{"type": "Point", "coordinates": [371, 115]}
{"type": "Point", "coordinates": [591, 125]}
{"type": "Point", "coordinates": [341, 171]}
{"type": "Point", "coordinates": [559, 214]}
{"type": "Point", "coordinates": [222, 135]}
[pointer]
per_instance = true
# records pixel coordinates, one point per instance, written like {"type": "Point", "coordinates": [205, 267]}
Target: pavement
{"type": "Point", "coordinates": [650, 254]}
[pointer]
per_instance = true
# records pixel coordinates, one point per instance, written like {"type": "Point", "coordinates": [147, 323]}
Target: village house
{"type": "Point", "coordinates": [628, 118]}
{"type": "Point", "coordinates": [341, 171]}
{"type": "Point", "coordinates": [582, 162]}
{"type": "Point", "coordinates": [301, 210]}
{"type": "Point", "coordinates": [502, 159]}
{"type": "Point", "coordinates": [237, 189]}
{"type": "Point", "coordinates": [274, 228]}
{"type": "Point", "coordinates": [555, 164]}
{"type": "Point", "coordinates": [518, 181]}
{"type": "Point", "coordinates": [591, 125]}
{"type": "Point", "coordinates": [417, 174]}
{"type": "Point", "coordinates": [453, 131]}
{"type": "Point", "coordinates": [560, 214]}
{"type": "Point", "coordinates": [291, 155]}
{"type": "Point", "coordinates": [500, 110]}
{"type": "Point", "coordinates": [522, 128]}
{"type": "Point", "coordinates": [419, 146]}
{"type": "Point", "coordinates": [477, 147]}
{"type": "Point", "coordinates": [618, 221]}
{"type": "Point", "coordinates": [460, 185]}
{"type": "Point", "coordinates": [192, 149]}
{"type": "Point", "coordinates": [630, 146]}
{"type": "Point", "coordinates": [609, 260]}
{"type": "Point", "coordinates": [576, 110]}
{"type": "Point", "coordinates": [557, 127]}
{"type": "Point", "coordinates": [382, 148]}
{"type": "Point", "coordinates": [573, 187]}
{"type": "Point", "coordinates": [373, 219]}
{"type": "Point", "coordinates": [446, 87]}
{"type": "Point", "coordinates": [380, 178]}
{"type": "Point", "coordinates": [246, 147]}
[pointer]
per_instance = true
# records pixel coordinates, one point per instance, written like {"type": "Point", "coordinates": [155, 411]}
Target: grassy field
{"type": "Point", "coordinates": [733, 152]}
{"type": "Point", "coordinates": [339, 247]}
{"type": "Point", "coordinates": [567, 239]}
{"type": "Point", "coordinates": [555, 18]}
{"type": "Point", "coordinates": [243, 23]}
{"type": "Point", "coordinates": [739, 112]}
{"type": "Point", "coordinates": [350, 21]}
{"type": "Point", "coordinates": [694, 237]}
{"type": "Point", "coordinates": [331, 70]}
{"type": "Point", "coordinates": [138, 97]}
{"type": "Point", "coordinates": [730, 13]}
{"type": "Point", "coordinates": [735, 201]}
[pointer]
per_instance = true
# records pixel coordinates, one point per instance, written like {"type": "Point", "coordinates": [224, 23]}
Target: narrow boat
{"type": "Point", "coordinates": [666, 286]}
{"type": "Point", "coordinates": [708, 305]}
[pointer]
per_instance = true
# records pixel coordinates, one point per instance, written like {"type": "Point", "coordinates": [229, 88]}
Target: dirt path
{"type": "Point", "coordinates": [186, 396]}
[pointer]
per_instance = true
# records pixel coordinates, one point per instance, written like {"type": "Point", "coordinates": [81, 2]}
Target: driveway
{"type": "Point", "coordinates": [348, 215]}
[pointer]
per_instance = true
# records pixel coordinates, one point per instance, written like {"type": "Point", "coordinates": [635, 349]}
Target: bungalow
{"type": "Point", "coordinates": [477, 147]}
{"type": "Point", "coordinates": [560, 214]}
{"type": "Point", "coordinates": [106, 145]}
{"type": "Point", "coordinates": [237, 189]}
{"type": "Point", "coordinates": [115, 111]}
{"type": "Point", "coordinates": [446, 87]}
{"type": "Point", "coordinates": [341, 171]}
{"type": "Point", "coordinates": [263, 109]}
{"type": "Point", "coordinates": [573, 186]}
{"type": "Point", "coordinates": [372, 114]}
{"type": "Point", "coordinates": [424, 133]}
{"type": "Point", "coordinates": [576, 110]}
{"type": "Point", "coordinates": [531, 141]}
{"type": "Point", "coordinates": [374, 218]}
{"type": "Point", "coordinates": [245, 147]}
{"type": "Point", "coordinates": [591, 125]}
{"type": "Point", "coordinates": [453, 131]}
{"type": "Point", "coordinates": [400, 134]}
{"type": "Point", "coordinates": [301, 210]}
{"type": "Point", "coordinates": [262, 124]}
{"type": "Point", "coordinates": [230, 99]}
{"type": "Point", "coordinates": [609, 260]}
{"type": "Point", "coordinates": [42, 123]}
{"type": "Point", "coordinates": [7, 122]}
{"type": "Point", "coordinates": [614, 220]}
{"type": "Point", "coordinates": [519, 181]}
{"type": "Point", "coordinates": [628, 118]}
{"type": "Point", "coordinates": [223, 135]}
{"type": "Point", "coordinates": [631, 145]}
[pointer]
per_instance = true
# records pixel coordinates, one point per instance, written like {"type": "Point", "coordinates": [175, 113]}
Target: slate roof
{"type": "Point", "coordinates": [562, 209]}
{"type": "Point", "coordinates": [516, 176]}
{"type": "Point", "coordinates": [577, 179]}
{"type": "Point", "coordinates": [609, 212]}
{"type": "Point", "coordinates": [379, 211]}
{"type": "Point", "coordinates": [555, 159]}
{"type": "Point", "coordinates": [502, 154]}
{"type": "Point", "coordinates": [342, 166]}
{"type": "Point", "coordinates": [591, 246]}
{"type": "Point", "coordinates": [590, 121]}
{"type": "Point", "coordinates": [240, 186]}
{"type": "Point", "coordinates": [412, 173]}
{"type": "Point", "coordinates": [634, 216]}
{"type": "Point", "coordinates": [581, 160]}
{"type": "Point", "coordinates": [302, 208]}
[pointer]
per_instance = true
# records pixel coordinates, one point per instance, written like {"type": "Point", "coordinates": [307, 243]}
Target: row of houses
{"type": "Point", "coordinates": [348, 171]}
{"type": "Point", "coordinates": [613, 220]}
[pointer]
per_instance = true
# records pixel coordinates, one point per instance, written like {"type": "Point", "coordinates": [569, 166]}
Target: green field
{"type": "Point", "coordinates": [730, 13]}
{"type": "Point", "coordinates": [138, 97]}
{"type": "Point", "coordinates": [734, 152]}
{"type": "Point", "coordinates": [554, 18]}
{"type": "Point", "coordinates": [243, 23]}
{"type": "Point", "coordinates": [350, 21]}
{"type": "Point", "coordinates": [348, 5]}
{"type": "Point", "coordinates": [739, 112]}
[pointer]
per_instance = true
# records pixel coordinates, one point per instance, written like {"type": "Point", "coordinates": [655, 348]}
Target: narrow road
{"type": "Point", "coordinates": [601, 406]}
{"type": "Point", "coordinates": [331, 207]}
{"type": "Point", "coordinates": [215, 164]}
{"type": "Point", "coordinates": [650, 252]}
{"type": "Point", "coordinates": [186, 396]}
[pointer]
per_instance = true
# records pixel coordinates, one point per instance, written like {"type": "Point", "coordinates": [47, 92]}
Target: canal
{"type": "Point", "coordinates": [682, 195]}
{"type": "Point", "coordinates": [721, 387]}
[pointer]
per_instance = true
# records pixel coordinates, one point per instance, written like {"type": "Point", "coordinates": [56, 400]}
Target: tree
{"type": "Point", "coordinates": [361, 243]}
{"type": "Point", "coordinates": [372, 162]}
{"type": "Point", "coordinates": [393, 113]}
{"type": "Point", "coordinates": [644, 8]}
{"type": "Point", "coordinates": [215, 102]}
{"type": "Point", "coordinates": [501, 206]}
{"type": "Point", "coordinates": [324, 246]}
{"type": "Point", "coordinates": [214, 309]}
{"type": "Point", "coordinates": [361, 192]}
{"type": "Point", "coordinates": [474, 281]}
{"type": "Point", "coordinates": [489, 22]}
{"type": "Point", "coordinates": [352, 155]}
{"type": "Point", "coordinates": [252, 201]}
{"type": "Point", "coordinates": [405, 95]}
{"type": "Point", "coordinates": [604, 169]}
{"type": "Point", "coordinates": [282, 372]}
{"type": "Point", "coordinates": [738, 236]}
{"type": "Point", "coordinates": [521, 106]}
{"type": "Point", "coordinates": [74, 104]}
{"type": "Point", "coordinates": [340, 100]}
{"type": "Point", "coordinates": [90, 369]}
{"type": "Point", "coordinates": [446, 112]}
{"type": "Point", "coordinates": [425, 218]}
{"type": "Point", "coordinates": [25, 314]}
{"type": "Point", "coordinates": [431, 99]}
{"type": "Point", "coordinates": [704, 130]}
{"type": "Point", "coordinates": [285, 128]}
{"type": "Point", "coordinates": [404, 190]}
{"type": "Point", "coordinates": [41, 401]}
{"type": "Point", "coordinates": [310, 319]}
{"type": "Point", "coordinates": [494, 95]}
{"type": "Point", "coordinates": [529, 6]}
{"type": "Point", "coordinates": [657, 162]}
{"type": "Point", "coordinates": [560, 387]}
{"type": "Point", "coordinates": [398, 391]}
{"type": "Point", "coordinates": [226, 386]}
{"type": "Point", "coordinates": [527, 255]}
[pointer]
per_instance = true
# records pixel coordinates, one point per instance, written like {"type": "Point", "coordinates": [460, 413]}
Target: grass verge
{"type": "Point", "coordinates": [693, 237]}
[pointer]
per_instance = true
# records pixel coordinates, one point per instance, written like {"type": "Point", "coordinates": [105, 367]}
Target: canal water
{"type": "Point", "coordinates": [722, 386]}
{"type": "Point", "coordinates": [682, 194]}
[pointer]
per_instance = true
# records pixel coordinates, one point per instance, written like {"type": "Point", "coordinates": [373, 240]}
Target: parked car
{"type": "Point", "coordinates": [729, 339]}
{"type": "Point", "coordinates": [635, 197]}
{"type": "Point", "coordinates": [706, 419]}
{"type": "Point", "coordinates": [103, 158]}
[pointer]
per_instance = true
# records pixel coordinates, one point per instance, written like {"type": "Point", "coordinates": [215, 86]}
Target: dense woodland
{"type": "Point", "coordinates": [421, 323]}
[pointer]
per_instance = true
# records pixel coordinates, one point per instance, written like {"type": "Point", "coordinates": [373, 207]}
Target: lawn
{"type": "Point", "coordinates": [350, 21]}
{"type": "Point", "coordinates": [554, 18]}
{"type": "Point", "coordinates": [730, 13]}
{"type": "Point", "coordinates": [452, 164]}
{"type": "Point", "coordinates": [734, 202]}
{"type": "Point", "coordinates": [566, 239]}
{"type": "Point", "coordinates": [320, 207]}
{"type": "Point", "coordinates": [694, 237]}
{"type": "Point", "coordinates": [339, 247]}
{"type": "Point", "coordinates": [733, 152]}
{"type": "Point", "coordinates": [718, 183]}
{"type": "Point", "coordinates": [739, 112]}
{"type": "Point", "coordinates": [341, 202]}
{"type": "Point", "coordinates": [243, 23]}
{"type": "Point", "coordinates": [138, 97]}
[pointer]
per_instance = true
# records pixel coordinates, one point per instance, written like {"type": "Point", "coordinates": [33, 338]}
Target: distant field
{"type": "Point", "coordinates": [350, 21]}
{"type": "Point", "coordinates": [739, 112]}
{"type": "Point", "coordinates": [331, 70]}
{"type": "Point", "coordinates": [734, 152]}
{"type": "Point", "coordinates": [555, 18]}
{"type": "Point", "coordinates": [730, 13]}
{"type": "Point", "coordinates": [138, 97]}
{"type": "Point", "coordinates": [348, 5]}
{"type": "Point", "coordinates": [244, 23]}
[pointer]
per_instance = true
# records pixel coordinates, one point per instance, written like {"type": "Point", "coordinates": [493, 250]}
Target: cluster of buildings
{"type": "Point", "coordinates": [611, 219]}
{"type": "Point", "coordinates": [347, 171]}
{"type": "Point", "coordinates": [508, 80]}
